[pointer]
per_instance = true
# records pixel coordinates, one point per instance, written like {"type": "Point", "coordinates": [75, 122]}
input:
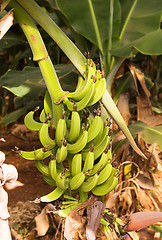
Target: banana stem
{"type": "Point", "coordinates": [40, 55]}
{"type": "Point", "coordinates": [67, 46]}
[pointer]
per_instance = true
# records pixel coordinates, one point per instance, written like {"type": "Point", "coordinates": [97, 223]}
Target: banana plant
{"type": "Point", "coordinates": [112, 32]}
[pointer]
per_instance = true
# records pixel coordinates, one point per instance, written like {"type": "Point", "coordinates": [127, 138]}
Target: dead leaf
{"type": "Point", "coordinates": [5, 23]}
{"type": "Point", "coordinates": [123, 106]}
{"type": "Point", "coordinates": [144, 182]}
{"type": "Point", "coordinates": [94, 215]}
{"type": "Point", "coordinates": [75, 221]}
{"type": "Point", "coordinates": [145, 113]}
{"type": "Point", "coordinates": [16, 184]}
{"type": "Point", "coordinates": [42, 221]}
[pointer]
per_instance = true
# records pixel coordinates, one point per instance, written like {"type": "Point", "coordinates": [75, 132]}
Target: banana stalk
{"type": "Point", "coordinates": [40, 55]}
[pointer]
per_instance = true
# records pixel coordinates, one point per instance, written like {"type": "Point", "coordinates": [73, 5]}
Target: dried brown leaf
{"type": "Point", "coordinates": [94, 215]}
{"type": "Point", "coordinates": [5, 23]}
{"type": "Point", "coordinates": [42, 221]}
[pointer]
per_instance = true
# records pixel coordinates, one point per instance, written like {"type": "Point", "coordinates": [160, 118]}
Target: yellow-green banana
{"type": "Point", "coordinates": [60, 130]}
{"type": "Point", "coordinates": [99, 91]}
{"type": "Point", "coordinates": [62, 181]}
{"type": "Point", "coordinates": [62, 152]}
{"type": "Point", "coordinates": [49, 180]}
{"type": "Point", "coordinates": [54, 195]}
{"type": "Point", "coordinates": [43, 168]}
{"type": "Point", "coordinates": [48, 104]}
{"type": "Point", "coordinates": [105, 187]}
{"type": "Point", "coordinates": [89, 160]}
{"type": "Point", "coordinates": [75, 126]}
{"type": "Point", "coordinates": [82, 91]}
{"type": "Point", "coordinates": [77, 180]}
{"type": "Point", "coordinates": [90, 183]}
{"type": "Point", "coordinates": [76, 164]}
{"type": "Point", "coordinates": [95, 127]}
{"type": "Point", "coordinates": [104, 159]}
{"type": "Point", "coordinates": [38, 154]}
{"type": "Point", "coordinates": [79, 144]}
{"type": "Point", "coordinates": [45, 138]}
{"type": "Point", "coordinates": [83, 102]}
{"type": "Point", "coordinates": [105, 173]}
{"type": "Point", "coordinates": [30, 123]}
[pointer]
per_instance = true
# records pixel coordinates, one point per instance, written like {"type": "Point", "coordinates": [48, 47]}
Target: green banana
{"type": "Point", "coordinates": [105, 173]}
{"type": "Point", "coordinates": [95, 127]}
{"type": "Point", "coordinates": [101, 147]}
{"type": "Point", "coordinates": [42, 116]}
{"type": "Point", "coordinates": [90, 183]}
{"type": "Point", "coordinates": [83, 102]}
{"type": "Point", "coordinates": [48, 104]}
{"type": "Point", "coordinates": [83, 196]}
{"type": "Point", "coordinates": [43, 168]}
{"type": "Point", "coordinates": [30, 123]}
{"type": "Point", "coordinates": [60, 130]}
{"type": "Point", "coordinates": [79, 83]}
{"type": "Point", "coordinates": [79, 144]}
{"type": "Point", "coordinates": [82, 91]}
{"type": "Point", "coordinates": [75, 126]}
{"type": "Point", "coordinates": [49, 180]}
{"type": "Point", "coordinates": [53, 169]}
{"type": "Point", "coordinates": [62, 152]}
{"type": "Point", "coordinates": [105, 187]}
{"type": "Point", "coordinates": [77, 180]}
{"type": "Point", "coordinates": [64, 212]}
{"type": "Point", "coordinates": [76, 164]}
{"type": "Point", "coordinates": [62, 181]}
{"type": "Point", "coordinates": [54, 195]}
{"type": "Point", "coordinates": [45, 138]}
{"type": "Point", "coordinates": [104, 159]}
{"type": "Point", "coordinates": [89, 160]}
{"type": "Point", "coordinates": [38, 154]}
{"type": "Point", "coordinates": [99, 91]}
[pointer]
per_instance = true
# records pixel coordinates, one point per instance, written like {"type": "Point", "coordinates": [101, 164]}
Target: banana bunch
{"type": "Point", "coordinates": [79, 139]}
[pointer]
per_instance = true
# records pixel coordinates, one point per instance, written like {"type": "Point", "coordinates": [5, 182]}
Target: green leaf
{"type": "Point", "coordinates": [150, 134]}
{"type": "Point", "coordinates": [92, 20]}
{"type": "Point", "coordinates": [140, 27]}
{"type": "Point", "coordinates": [10, 39]}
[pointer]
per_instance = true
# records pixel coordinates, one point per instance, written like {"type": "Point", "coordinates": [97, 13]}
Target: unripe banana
{"type": "Point", "coordinates": [49, 180]}
{"type": "Point", "coordinates": [95, 127]}
{"type": "Point", "coordinates": [105, 187]}
{"type": "Point", "coordinates": [83, 102]}
{"type": "Point", "coordinates": [81, 92]}
{"type": "Point", "coordinates": [101, 147]}
{"type": "Point", "coordinates": [48, 104]}
{"type": "Point", "coordinates": [105, 174]}
{"type": "Point", "coordinates": [104, 159]}
{"type": "Point", "coordinates": [90, 183]}
{"type": "Point", "coordinates": [77, 180]}
{"type": "Point", "coordinates": [99, 90]}
{"type": "Point", "coordinates": [83, 196]}
{"type": "Point", "coordinates": [76, 164]}
{"type": "Point", "coordinates": [75, 126]}
{"type": "Point", "coordinates": [60, 130]}
{"type": "Point", "coordinates": [38, 154]}
{"type": "Point", "coordinates": [45, 138]}
{"type": "Point", "coordinates": [64, 212]}
{"type": "Point", "coordinates": [89, 160]}
{"type": "Point", "coordinates": [42, 154]}
{"type": "Point", "coordinates": [62, 152]}
{"type": "Point", "coordinates": [79, 144]}
{"type": "Point", "coordinates": [54, 195]}
{"type": "Point", "coordinates": [42, 116]}
{"type": "Point", "coordinates": [53, 169]}
{"type": "Point", "coordinates": [62, 181]}
{"type": "Point", "coordinates": [30, 123]}
{"type": "Point", "coordinates": [43, 168]}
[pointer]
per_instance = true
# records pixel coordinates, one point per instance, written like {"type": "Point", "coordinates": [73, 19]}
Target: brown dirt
{"type": "Point", "coordinates": [34, 186]}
